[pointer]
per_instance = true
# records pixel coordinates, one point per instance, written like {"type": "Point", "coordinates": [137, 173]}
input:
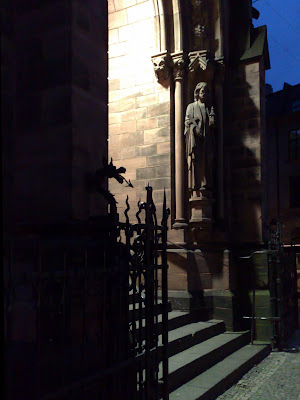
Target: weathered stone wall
{"type": "Point", "coordinates": [89, 43]}
{"type": "Point", "coordinates": [7, 109]}
{"type": "Point", "coordinates": [139, 107]}
{"type": "Point", "coordinates": [61, 108]}
{"type": "Point", "coordinates": [243, 148]}
{"type": "Point", "coordinates": [278, 176]}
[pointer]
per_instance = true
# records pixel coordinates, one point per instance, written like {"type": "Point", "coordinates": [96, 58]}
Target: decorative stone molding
{"type": "Point", "coordinates": [179, 63]}
{"type": "Point", "coordinates": [161, 64]}
{"type": "Point", "coordinates": [201, 60]}
{"type": "Point", "coordinates": [198, 59]}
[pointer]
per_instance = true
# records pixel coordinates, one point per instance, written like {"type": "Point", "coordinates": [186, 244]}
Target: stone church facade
{"type": "Point", "coordinates": [159, 50]}
{"type": "Point", "coordinates": [54, 71]}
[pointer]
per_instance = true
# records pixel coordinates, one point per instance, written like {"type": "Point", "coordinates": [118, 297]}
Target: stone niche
{"type": "Point", "coordinates": [203, 201]}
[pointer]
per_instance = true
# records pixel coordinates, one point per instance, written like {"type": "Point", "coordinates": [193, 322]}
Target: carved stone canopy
{"type": "Point", "coordinates": [199, 59]}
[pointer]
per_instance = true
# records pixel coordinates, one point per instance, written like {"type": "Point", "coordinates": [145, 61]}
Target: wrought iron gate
{"type": "Point", "coordinates": [283, 286]}
{"type": "Point", "coordinates": [146, 245]}
{"type": "Point", "coordinates": [83, 318]}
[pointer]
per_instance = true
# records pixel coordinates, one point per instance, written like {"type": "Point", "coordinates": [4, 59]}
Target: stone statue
{"type": "Point", "coordinates": [200, 142]}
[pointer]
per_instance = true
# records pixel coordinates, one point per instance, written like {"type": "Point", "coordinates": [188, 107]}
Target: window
{"type": "Point", "coordinates": [294, 145]}
{"type": "Point", "coordinates": [296, 105]}
{"type": "Point", "coordinates": [295, 191]}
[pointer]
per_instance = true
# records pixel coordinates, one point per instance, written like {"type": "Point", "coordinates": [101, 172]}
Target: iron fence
{"type": "Point", "coordinates": [283, 287]}
{"type": "Point", "coordinates": [82, 315]}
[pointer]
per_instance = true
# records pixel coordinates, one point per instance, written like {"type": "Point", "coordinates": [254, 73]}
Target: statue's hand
{"type": "Point", "coordinates": [197, 131]}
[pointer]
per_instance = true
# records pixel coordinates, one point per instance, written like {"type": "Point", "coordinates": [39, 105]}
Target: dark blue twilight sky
{"type": "Point", "coordinates": [282, 18]}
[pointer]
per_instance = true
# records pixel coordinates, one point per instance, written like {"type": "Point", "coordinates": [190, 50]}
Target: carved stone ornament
{"type": "Point", "coordinates": [161, 64]}
{"type": "Point", "coordinates": [198, 59]}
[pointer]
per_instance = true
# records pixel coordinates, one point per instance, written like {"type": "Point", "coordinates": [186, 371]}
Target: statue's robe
{"type": "Point", "coordinates": [200, 148]}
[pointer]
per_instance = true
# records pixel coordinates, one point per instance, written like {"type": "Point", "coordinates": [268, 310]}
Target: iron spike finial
{"type": "Point", "coordinates": [140, 207]}
{"type": "Point", "coordinates": [166, 211]}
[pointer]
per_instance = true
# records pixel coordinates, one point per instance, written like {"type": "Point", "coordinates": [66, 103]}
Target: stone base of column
{"type": "Point", "coordinates": [179, 235]}
{"type": "Point", "coordinates": [180, 224]}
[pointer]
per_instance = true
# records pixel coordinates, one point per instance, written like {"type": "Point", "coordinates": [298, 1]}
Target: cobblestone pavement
{"type": "Point", "coordinates": [277, 377]}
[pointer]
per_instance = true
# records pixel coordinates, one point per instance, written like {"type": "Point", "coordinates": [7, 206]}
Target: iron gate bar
{"type": "Point", "coordinates": [149, 322]}
{"type": "Point", "coordinates": [165, 339]}
{"type": "Point", "coordinates": [144, 268]}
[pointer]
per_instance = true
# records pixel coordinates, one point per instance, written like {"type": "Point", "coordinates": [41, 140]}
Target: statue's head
{"type": "Point", "coordinates": [201, 92]}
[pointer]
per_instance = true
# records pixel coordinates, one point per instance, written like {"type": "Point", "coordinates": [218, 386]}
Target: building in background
{"type": "Point", "coordinates": [283, 163]}
{"type": "Point", "coordinates": [283, 159]}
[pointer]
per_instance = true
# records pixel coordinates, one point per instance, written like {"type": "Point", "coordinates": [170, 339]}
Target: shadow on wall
{"type": "Point", "coordinates": [243, 219]}
{"type": "Point", "coordinates": [244, 180]}
{"type": "Point", "coordinates": [243, 167]}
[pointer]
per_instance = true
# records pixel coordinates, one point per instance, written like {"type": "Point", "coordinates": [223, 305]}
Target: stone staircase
{"type": "Point", "coordinates": [204, 359]}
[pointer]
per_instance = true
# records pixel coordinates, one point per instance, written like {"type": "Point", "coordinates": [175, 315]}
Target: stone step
{"type": "Point", "coordinates": [139, 310]}
{"type": "Point", "coordinates": [193, 361]}
{"type": "Point", "coordinates": [189, 335]}
{"type": "Point", "coordinates": [221, 376]}
{"type": "Point", "coordinates": [176, 319]}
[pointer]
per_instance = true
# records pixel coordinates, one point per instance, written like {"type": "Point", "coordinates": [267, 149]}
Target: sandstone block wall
{"type": "Point", "coordinates": [139, 107]}
{"type": "Point", "coordinates": [7, 109]}
{"type": "Point", "coordinates": [280, 126]}
{"type": "Point", "coordinates": [61, 108]}
{"type": "Point", "coordinates": [243, 148]}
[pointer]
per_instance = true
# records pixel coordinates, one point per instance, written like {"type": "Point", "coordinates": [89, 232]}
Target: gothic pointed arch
{"type": "Point", "coordinates": [160, 25]}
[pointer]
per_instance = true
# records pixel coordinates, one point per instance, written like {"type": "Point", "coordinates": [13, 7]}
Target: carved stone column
{"type": "Point", "coordinates": [179, 65]}
{"type": "Point", "coordinates": [219, 82]}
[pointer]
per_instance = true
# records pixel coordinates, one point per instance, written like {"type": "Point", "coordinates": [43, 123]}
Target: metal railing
{"type": "Point", "coordinates": [82, 311]}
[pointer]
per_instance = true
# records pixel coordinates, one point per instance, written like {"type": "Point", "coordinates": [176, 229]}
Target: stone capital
{"type": "Point", "coordinates": [161, 64]}
{"type": "Point", "coordinates": [179, 63]}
